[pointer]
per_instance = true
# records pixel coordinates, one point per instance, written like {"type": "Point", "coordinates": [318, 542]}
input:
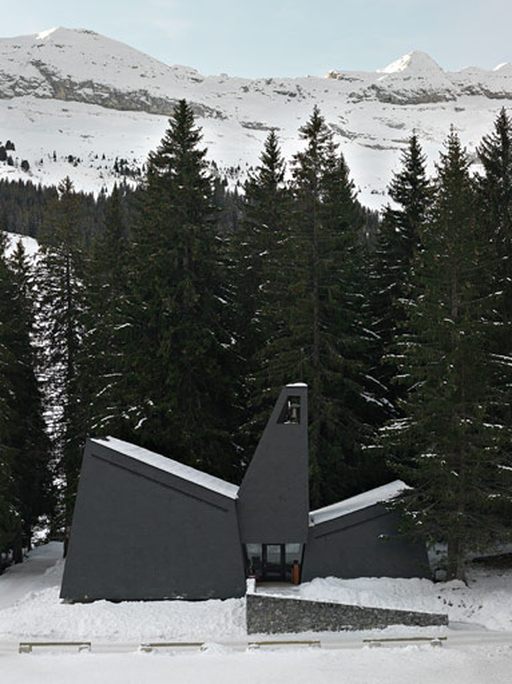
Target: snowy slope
{"type": "Point", "coordinates": [74, 92]}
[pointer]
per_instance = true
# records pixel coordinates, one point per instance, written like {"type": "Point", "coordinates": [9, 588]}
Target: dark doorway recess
{"type": "Point", "coordinates": [272, 562]}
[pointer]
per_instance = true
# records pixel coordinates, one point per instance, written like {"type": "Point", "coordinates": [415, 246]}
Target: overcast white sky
{"type": "Point", "coordinates": [284, 37]}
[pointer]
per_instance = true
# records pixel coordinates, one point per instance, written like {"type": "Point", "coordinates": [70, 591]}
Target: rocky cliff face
{"type": "Point", "coordinates": [82, 66]}
{"type": "Point", "coordinates": [83, 94]}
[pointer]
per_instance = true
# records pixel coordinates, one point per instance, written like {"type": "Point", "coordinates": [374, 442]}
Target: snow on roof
{"type": "Point", "coordinates": [356, 503]}
{"type": "Point", "coordinates": [167, 465]}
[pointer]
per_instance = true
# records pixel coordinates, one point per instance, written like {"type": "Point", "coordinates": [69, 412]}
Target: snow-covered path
{"type": "Point", "coordinates": [41, 571]}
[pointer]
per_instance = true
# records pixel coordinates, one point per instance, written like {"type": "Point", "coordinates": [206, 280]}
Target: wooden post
{"type": "Point", "coordinates": [295, 572]}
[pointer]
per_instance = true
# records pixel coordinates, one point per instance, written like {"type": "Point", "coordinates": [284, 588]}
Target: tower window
{"type": "Point", "coordinates": [290, 414]}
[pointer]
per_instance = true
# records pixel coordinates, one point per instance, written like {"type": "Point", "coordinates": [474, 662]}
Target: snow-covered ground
{"type": "Point", "coordinates": [31, 610]}
{"type": "Point", "coordinates": [30, 245]}
{"type": "Point", "coordinates": [41, 571]}
{"type": "Point", "coordinates": [419, 664]}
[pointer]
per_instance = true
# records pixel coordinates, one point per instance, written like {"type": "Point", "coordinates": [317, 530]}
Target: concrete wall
{"type": "Point", "coordinates": [273, 505]}
{"type": "Point", "coordinates": [274, 615]}
{"type": "Point", "coordinates": [141, 533]}
{"type": "Point", "coordinates": [365, 543]}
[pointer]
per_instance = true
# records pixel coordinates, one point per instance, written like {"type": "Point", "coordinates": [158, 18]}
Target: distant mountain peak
{"type": "Point", "coordinates": [43, 35]}
{"type": "Point", "coordinates": [415, 62]}
{"type": "Point", "coordinates": [504, 67]}
{"type": "Point", "coordinates": [62, 30]}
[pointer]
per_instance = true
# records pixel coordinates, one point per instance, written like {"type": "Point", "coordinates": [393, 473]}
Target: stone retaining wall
{"type": "Point", "coordinates": [273, 615]}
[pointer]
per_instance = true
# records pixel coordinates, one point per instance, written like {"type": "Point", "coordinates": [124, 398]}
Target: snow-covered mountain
{"type": "Point", "coordinates": [73, 101]}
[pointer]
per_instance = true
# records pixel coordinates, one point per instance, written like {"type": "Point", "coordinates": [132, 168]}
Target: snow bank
{"type": "Point", "coordinates": [41, 614]}
{"type": "Point", "coordinates": [486, 601]}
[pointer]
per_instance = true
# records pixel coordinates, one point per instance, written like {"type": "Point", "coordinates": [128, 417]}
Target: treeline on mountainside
{"type": "Point", "coordinates": [171, 315]}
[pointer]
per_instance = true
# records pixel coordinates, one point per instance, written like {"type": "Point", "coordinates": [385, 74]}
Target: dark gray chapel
{"type": "Point", "coordinates": [146, 527]}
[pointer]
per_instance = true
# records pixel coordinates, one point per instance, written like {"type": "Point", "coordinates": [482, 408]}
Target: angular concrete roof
{"type": "Point", "coordinates": [168, 465]}
{"type": "Point", "coordinates": [356, 503]}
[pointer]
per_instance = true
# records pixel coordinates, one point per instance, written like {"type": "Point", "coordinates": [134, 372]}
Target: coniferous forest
{"type": "Point", "coordinates": [171, 315]}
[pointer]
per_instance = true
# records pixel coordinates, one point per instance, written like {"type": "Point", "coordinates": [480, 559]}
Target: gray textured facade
{"type": "Point", "coordinates": [146, 527]}
{"type": "Point", "coordinates": [273, 501]}
{"type": "Point", "coordinates": [364, 543]}
{"type": "Point", "coordinates": [141, 532]}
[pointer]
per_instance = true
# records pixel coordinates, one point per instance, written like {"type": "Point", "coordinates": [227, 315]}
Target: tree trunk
{"type": "Point", "coordinates": [27, 537]}
{"type": "Point", "coordinates": [17, 550]}
{"type": "Point", "coordinates": [456, 566]}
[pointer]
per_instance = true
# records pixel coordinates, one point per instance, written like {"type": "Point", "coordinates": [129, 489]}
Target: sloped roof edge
{"type": "Point", "coordinates": [356, 503]}
{"type": "Point", "coordinates": [168, 465]}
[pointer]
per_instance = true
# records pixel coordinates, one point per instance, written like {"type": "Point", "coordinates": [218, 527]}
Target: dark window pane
{"type": "Point", "coordinates": [254, 564]}
{"type": "Point", "coordinates": [293, 553]}
{"type": "Point", "coordinates": [274, 553]}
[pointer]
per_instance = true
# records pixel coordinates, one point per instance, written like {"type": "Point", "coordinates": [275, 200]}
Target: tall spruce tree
{"type": "Point", "coordinates": [322, 339]}
{"type": "Point", "coordinates": [257, 255]}
{"type": "Point", "coordinates": [25, 482]}
{"type": "Point", "coordinates": [495, 195]}
{"type": "Point", "coordinates": [61, 306]}
{"type": "Point", "coordinates": [495, 217]}
{"type": "Point", "coordinates": [183, 351]}
{"type": "Point", "coordinates": [105, 379]}
{"type": "Point", "coordinates": [449, 445]}
{"type": "Point", "coordinates": [31, 467]}
{"type": "Point", "coordinates": [10, 523]}
{"type": "Point", "coordinates": [396, 250]}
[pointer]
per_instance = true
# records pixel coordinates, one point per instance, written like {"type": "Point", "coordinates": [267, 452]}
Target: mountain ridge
{"type": "Point", "coordinates": [67, 90]}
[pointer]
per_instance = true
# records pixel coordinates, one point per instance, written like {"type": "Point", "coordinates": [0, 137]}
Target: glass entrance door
{"type": "Point", "coordinates": [272, 562]}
